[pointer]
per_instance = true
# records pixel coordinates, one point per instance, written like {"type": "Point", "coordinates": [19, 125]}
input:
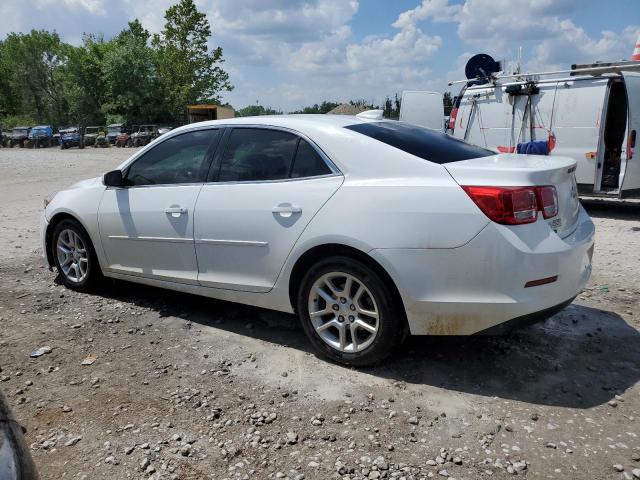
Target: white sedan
{"type": "Point", "coordinates": [367, 229]}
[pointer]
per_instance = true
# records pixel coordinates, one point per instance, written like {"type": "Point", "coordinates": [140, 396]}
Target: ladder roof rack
{"type": "Point", "coordinates": [594, 69]}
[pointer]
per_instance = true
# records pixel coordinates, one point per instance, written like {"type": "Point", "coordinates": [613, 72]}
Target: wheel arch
{"type": "Point", "coordinates": [55, 220]}
{"type": "Point", "coordinates": [311, 256]}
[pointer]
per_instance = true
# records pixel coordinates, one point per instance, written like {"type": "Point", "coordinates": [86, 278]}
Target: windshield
{"type": "Point", "coordinates": [114, 129]}
{"type": "Point", "coordinates": [428, 144]}
{"type": "Point", "coordinates": [20, 131]}
{"type": "Point", "coordinates": [91, 130]}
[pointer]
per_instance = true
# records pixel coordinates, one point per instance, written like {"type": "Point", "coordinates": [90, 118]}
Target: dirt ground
{"type": "Point", "coordinates": [186, 387]}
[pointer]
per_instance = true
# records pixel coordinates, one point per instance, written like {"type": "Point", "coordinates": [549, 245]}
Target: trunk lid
{"type": "Point", "coordinates": [513, 170]}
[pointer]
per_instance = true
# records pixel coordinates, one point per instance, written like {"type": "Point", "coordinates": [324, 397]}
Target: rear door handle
{"type": "Point", "coordinates": [175, 211]}
{"type": "Point", "coordinates": [284, 209]}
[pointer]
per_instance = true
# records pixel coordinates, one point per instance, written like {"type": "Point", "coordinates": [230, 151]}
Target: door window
{"type": "Point", "coordinates": [257, 154]}
{"type": "Point", "coordinates": [307, 162]}
{"type": "Point", "coordinates": [179, 159]}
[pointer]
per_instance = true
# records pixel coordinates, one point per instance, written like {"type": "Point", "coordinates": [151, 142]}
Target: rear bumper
{"type": "Point", "coordinates": [480, 285]}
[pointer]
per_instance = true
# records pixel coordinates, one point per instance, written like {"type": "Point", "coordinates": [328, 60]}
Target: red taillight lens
{"type": "Point", "coordinates": [548, 201]}
{"type": "Point", "coordinates": [506, 205]}
{"type": "Point", "coordinates": [452, 118]}
{"type": "Point", "coordinates": [514, 205]}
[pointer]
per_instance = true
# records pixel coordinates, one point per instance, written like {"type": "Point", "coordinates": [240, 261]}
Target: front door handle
{"type": "Point", "coordinates": [175, 210]}
{"type": "Point", "coordinates": [286, 209]}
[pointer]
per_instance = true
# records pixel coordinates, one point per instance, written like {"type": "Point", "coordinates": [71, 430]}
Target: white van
{"type": "Point", "coordinates": [592, 117]}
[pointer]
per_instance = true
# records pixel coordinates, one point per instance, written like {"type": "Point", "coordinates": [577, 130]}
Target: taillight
{"type": "Point", "coordinates": [452, 118]}
{"type": "Point", "coordinates": [514, 205]}
{"type": "Point", "coordinates": [548, 201]}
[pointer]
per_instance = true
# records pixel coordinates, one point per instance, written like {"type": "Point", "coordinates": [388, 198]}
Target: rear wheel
{"type": "Point", "coordinates": [74, 256]}
{"type": "Point", "coordinates": [348, 312]}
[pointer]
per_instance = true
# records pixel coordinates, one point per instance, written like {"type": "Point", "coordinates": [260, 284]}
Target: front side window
{"type": "Point", "coordinates": [179, 159]}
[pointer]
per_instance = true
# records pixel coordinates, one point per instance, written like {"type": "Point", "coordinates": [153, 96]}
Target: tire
{"type": "Point", "coordinates": [347, 312]}
{"type": "Point", "coordinates": [69, 234]}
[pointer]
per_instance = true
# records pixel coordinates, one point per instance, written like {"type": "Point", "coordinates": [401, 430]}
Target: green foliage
{"type": "Point", "coordinates": [448, 103]}
{"type": "Point", "coordinates": [132, 77]}
{"type": "Point", "coordinates": [391, 108]}
{"type": "Point", "coordinates": [254, 110]}
{"type": "Point", "coordinates": [10, 121]}
{"type": "Point", "coordinates": [324, 107]}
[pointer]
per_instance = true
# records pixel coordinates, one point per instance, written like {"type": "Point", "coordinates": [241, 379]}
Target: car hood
{"type": "Point", "coordinates": [90, 182]}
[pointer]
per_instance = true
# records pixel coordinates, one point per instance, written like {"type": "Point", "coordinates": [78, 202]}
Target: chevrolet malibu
{"type": "Point", "coordinates": [367, 229]}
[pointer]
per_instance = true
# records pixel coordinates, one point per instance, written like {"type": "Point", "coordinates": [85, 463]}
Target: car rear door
{"type": "Point", "coordinates": [265, 187]}
{"type": "Point", "coordinates": [146, 227]}
{"type": "Point", "coordinates": [631, 179]}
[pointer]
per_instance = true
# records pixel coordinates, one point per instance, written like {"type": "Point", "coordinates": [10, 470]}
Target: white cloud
{"type": "Point", "coordinates": [438, 10]}
{"type": "Point", "coordinates": [501, 26]}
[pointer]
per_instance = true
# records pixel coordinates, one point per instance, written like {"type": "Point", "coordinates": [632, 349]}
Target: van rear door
{"type": "Point", "coordinates": [424, 109]}
{"type": "Point", "coordinates": [631, 178]}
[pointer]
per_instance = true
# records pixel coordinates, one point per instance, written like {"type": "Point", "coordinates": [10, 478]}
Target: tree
{"type": "Point", "coordinates": [188, 72]}
{"type": "Point", "coordinates": [447, 103]}
{"type": "Point", "coordinates": [130, 77]}
{"type": "Point", "coordinates": [32, 80]}
{"type": "Point", "coordinates": [253, 110]}
{"type": "Point", "coordinates": [87, 89]}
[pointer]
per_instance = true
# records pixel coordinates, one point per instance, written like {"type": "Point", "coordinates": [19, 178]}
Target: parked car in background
{"type": "Point", "coordinates": [18, 136]}
{"type": "Point", "coordinates": [4, 138]}
{"type": "Point", "coordinates": [101, 139]}
{"type": "Point", "coordinates": [144, 135]}
{"type": "Point", "coordinates": [164, 129]}
{"type": "Point", "coordinates": [40, 137]}
{"type": "Point", "coordinates": [71, 137]}
{"type": "Point", "coordinates": [15, 458]}
{"type": "Point", "coordinates": [123, 140]}
{"type": "Point", "coordinates": [114, 130]}
{"type": "Point", "coordinates": [90, 134]}
{"type": "Point", "coordinates": [366, 229]}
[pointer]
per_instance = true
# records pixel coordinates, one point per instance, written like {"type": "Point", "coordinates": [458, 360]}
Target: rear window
{"type": "Point", "coordinates": [424, 143]}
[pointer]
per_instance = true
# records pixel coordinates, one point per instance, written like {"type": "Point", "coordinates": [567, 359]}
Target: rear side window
{"type": "Point", "coordinates": [257, 154]}
{"type": "Point", "coordinates": [260, 154]}
{"type": "Point", "coordinates": [307, 162]}
{"type": "Point", "coordinates": [430, 145]}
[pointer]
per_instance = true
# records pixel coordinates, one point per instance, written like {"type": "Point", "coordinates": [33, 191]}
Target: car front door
{"type": "Point", "coordinates": [265, 187]}
{"type": "Point", "coordinates": [146, 226]}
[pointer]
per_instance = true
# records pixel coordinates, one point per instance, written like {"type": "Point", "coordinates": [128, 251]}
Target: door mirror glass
{"type": "Point", "coordinates": [113, 178]}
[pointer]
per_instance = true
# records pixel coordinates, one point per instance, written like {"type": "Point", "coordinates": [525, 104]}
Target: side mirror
{"type": "Point", "coordinates": [113, 178]}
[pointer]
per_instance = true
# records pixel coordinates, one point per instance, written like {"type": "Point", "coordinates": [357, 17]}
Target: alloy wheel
{"type": "Point", "coordinates": [343, 312]}
{"type": "Point", "coordinates": [73, 257]}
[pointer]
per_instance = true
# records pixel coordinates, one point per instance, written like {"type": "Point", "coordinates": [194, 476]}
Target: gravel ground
{"type": "Point", "coordinates": [186, 387]}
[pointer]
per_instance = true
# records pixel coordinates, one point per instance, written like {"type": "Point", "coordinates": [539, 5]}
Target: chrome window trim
{"type": "Point", "coordinates": [332, 166]}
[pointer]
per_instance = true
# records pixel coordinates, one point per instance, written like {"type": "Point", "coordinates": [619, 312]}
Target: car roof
{"type": "Point", "coordinates": [304, 123]}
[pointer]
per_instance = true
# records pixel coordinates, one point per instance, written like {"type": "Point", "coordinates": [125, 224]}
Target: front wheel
{"type": "Point", "coordinates": [348, 312]}
{"type": "Point", "coordinates": [74, 256]}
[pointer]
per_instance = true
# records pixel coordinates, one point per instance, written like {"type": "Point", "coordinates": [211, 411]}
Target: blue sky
{"type": "Point", "coordinates": [290, 53]}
